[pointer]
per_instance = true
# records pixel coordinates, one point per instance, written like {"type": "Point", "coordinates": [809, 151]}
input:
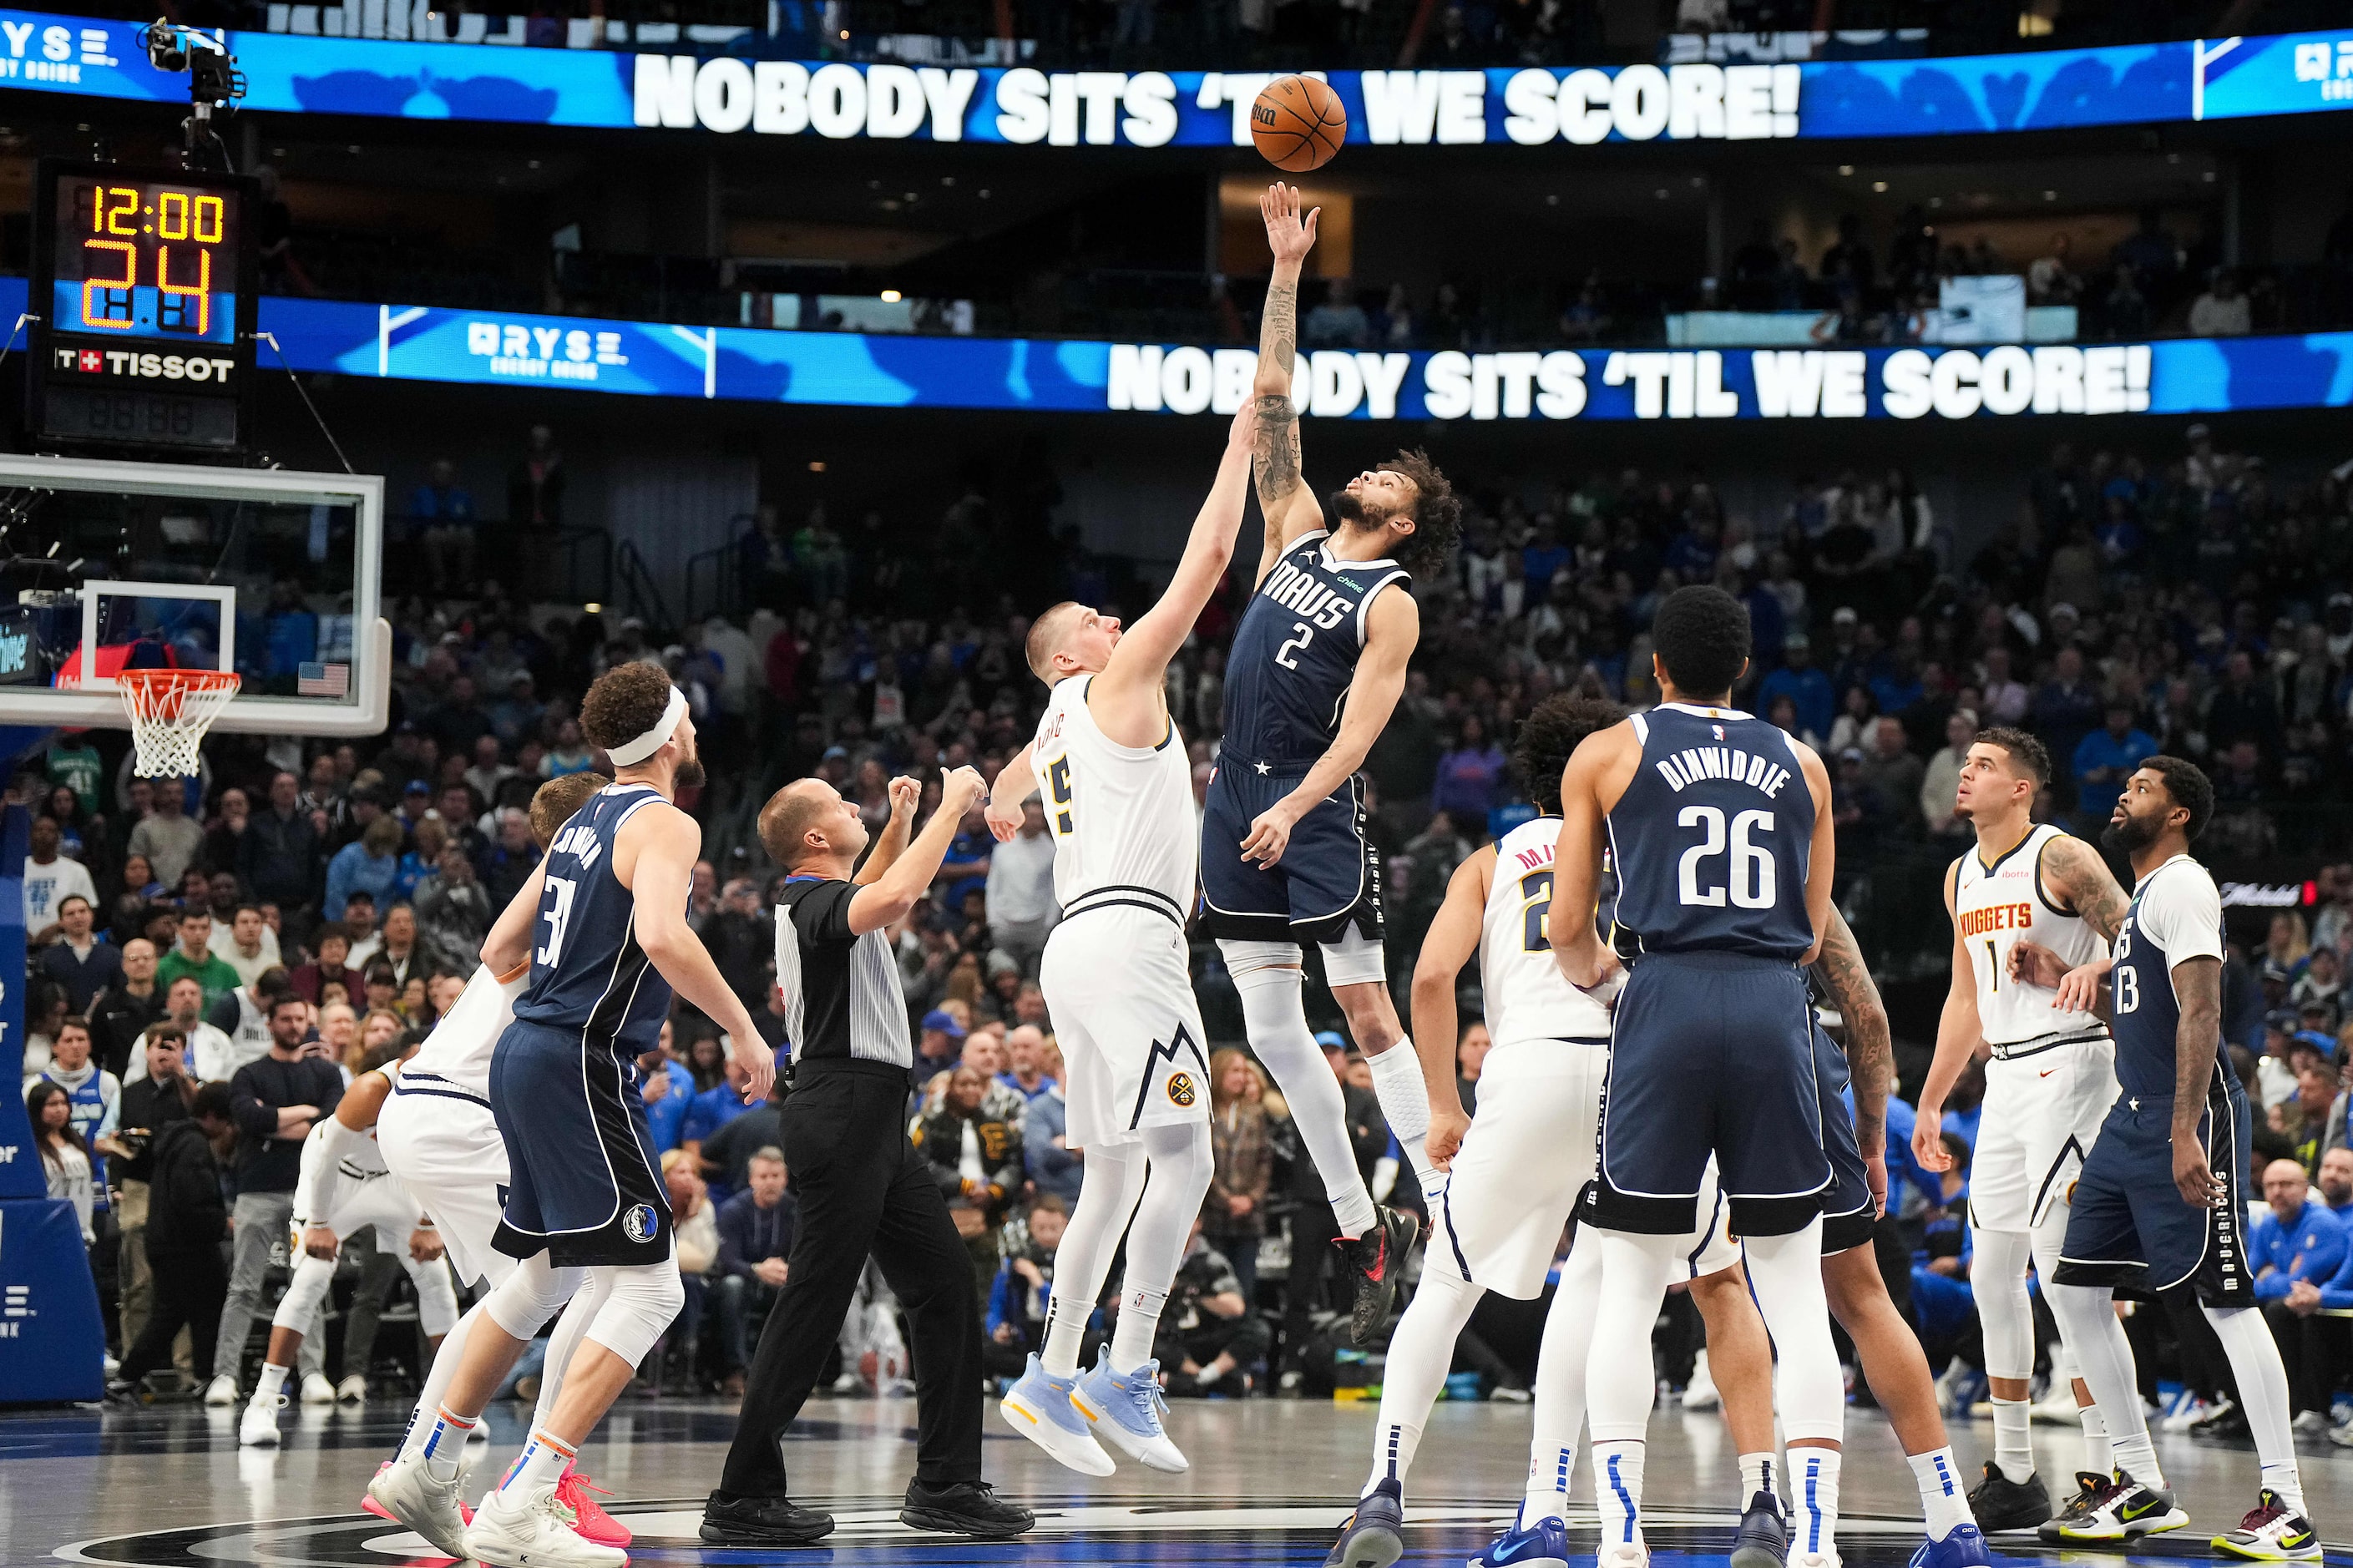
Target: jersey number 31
{"type": "Point", "coordinates": [1753, 883]}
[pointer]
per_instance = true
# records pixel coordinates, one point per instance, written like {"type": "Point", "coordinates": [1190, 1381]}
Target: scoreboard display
{"type": "Point", "coordinates": [144, 285]}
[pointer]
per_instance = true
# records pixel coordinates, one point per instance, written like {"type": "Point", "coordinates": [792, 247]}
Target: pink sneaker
{"type": "Point", "coordinates": [589, 1522]}
{"type": "Point", "coordinates": [369, 1505]}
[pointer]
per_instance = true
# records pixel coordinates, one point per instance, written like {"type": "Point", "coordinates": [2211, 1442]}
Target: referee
{"type": "Point", "coordinates": [862, 1187]}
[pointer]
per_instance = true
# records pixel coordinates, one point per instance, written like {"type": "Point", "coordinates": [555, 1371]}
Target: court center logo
{"type": "Point", "coordinates": [1180, 1087]}
{"type": "Point", "coordinates": [640, 1223]}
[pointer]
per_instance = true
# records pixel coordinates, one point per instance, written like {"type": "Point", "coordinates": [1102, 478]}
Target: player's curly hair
{"type": "Point", "coordinates": [1701, 634]}
{"type": "Point", "coordinates": [2027, 755]}
{"type": "Point", "coordinates": [625, 702]}
{"type": "Point", "coordinates": [1436, 513]}
{"type": "Point", "coordinates": [2192, 790]}
{"type": "Point", "coordinates": [556, 802]}
{"type": "Point", "coordinates": [1554, 729]}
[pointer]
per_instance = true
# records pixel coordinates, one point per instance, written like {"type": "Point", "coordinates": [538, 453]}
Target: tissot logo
{"type": "Point", "coordinates": [144, 366]}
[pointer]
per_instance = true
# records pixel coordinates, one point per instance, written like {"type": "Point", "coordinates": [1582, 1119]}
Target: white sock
{"type": "Point", "coordinates": [2013, 1438]}
{"type": "Point", "coordinates": [2098, 1457]}
{"type": "Point", "coordinates": [1275, 1020]}
{"type": "Point", "coordinates": [542, 1463]}
{"type": "Point", "coordinates": [1814, 1494]}
{"type": "Point", "coordinates": [1550, 1465]}
{"type": "Point", "coordinates": [1066, 1328]}
{"type": "Point", "coordinates": [443, 1445]}
{"type": "Point", "coordinates": [1139, 1321]}
{"type": "Point", "coordinates": [437, 1378]}
{"type": "Point", "coordinates": [1405, 1104]}
{"type": "Point", "coordinates": [2261, 1377]}
{"type": "Point", "coordinates": [273, 1380]}
{"type": "Point", "coordinates": [1617, 1491]}
{"type": "Point", "coordinates": [1559, 1409]}
{"type": "Point", "coordinates": [1942, 1501]}
{"type": "Point", "coordinates": [1756, 1476]}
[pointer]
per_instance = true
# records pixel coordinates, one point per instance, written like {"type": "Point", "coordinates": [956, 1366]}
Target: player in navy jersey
{"type": "Point", "coordinates": [603, 924]}
{"type": "Point", "coordinates": [2160, 1202]}
{"type": "Point", "coordinates": [1317, 662]}
{"type": "Point", "coordinates": [1719, 830]}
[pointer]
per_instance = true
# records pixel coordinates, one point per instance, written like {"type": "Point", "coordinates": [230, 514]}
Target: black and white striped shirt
{"type": "Point", "coordinates": [841, 990]}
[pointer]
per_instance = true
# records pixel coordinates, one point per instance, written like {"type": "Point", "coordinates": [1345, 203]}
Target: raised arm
{"type": "Point", "coordinates": [1129, 699]}
{"type": "Point", "coordinates": [1958, 1031]}
{"type": "Point", "coordinates": [895, 892]}
{"type": "Point", "coordinates": [1870, 1052]}
{"type": "Point", "coordinates": [2086, 887]}
{"type": "Point", "coordinates": [1452, 942]}
{"type": "Point", "coordinates": [1391, 630]}
{"type": "Point", "coordinates": [2198, 990]}
{"type": "Point", "coordinates": [653, 857]}
{"type": "Point", "coordinates": [1290, 507]}
{"type": "Point", "coordinates": [1016, 780]}
{"type": "Point", "coordinates": [905, 792]}
{"type": "Point", "coordinates": [509, 944]}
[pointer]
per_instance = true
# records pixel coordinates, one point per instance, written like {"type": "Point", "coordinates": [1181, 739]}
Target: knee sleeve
{"type": "Point", "coordinates": [1354, 960]}
{"type": "Point", "coordinates": [1999, 1278]}
{"type": "Point", "coordinates": [534, 1293]}
{"type": "Point", "coordinates": [1181, 1167]}
{"type": "Point", "coordinates": [437, 1303]}
{"type": "Point", "coordinates": [641, 1301]}
{"type": "Point", "coordinates": [1618, 1380]}
{"type": "Point", "coordinates": [1787, 1272]}
{"type": "Point", "coordinates": [1246, 959]}
{"type": "Point", "coordinates": [298, 1309]}
{"type": "Point", "coordinates": [1116, 1176]}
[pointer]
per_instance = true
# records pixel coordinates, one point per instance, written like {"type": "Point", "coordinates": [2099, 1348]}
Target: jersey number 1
{"type": "Point", "coordinates": [559, 914]}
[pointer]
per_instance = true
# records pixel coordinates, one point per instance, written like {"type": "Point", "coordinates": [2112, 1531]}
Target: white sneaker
{"type": "Point", "coordinates": [352, 1390]}
{"type": "Point", "coordinates": [414, 1495]}
{"type": "Point", "coordinates": [1700, 1393]}
{"type": "Point", "coordinates": [1812, 1559]}
{"type": "Point", "coordinates": [2309, 1423]}
{"type": "Point", "coordinates": [258, 1428]}
{"type": "Point", "coordinates": [317, 1390]}
{"type": "Point", "coordinates": [2187, 1412]}
{"type": "Point", "coordinates": [1621, 1555]}
{"type": "Point", "coordinates": [221, 1391]}
{"type": "Point", "coordinates": [533, 1530]}
{"type": "Point", "coordinates": [2057, 1407]}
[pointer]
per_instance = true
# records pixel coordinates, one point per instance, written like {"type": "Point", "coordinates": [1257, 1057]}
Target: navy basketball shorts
{"type": "Point", "coordinates": [1849, 1211]}
{"type": "Point", "coordinates": [1711, 1053]}
{"type": "Point", "coordinates": [2128, 1226]}
{"type": "Point", "coordinates": [583, 1184]}
{"type": "Point", "coordinates": [1329, 876]}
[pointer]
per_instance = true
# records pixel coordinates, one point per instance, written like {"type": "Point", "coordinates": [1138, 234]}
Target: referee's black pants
{"type": "Point", "coordinates": [863, 1189]}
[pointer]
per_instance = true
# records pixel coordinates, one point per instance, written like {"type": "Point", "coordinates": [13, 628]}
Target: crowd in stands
{"type": "Point", "coordinates": [2180, 598]}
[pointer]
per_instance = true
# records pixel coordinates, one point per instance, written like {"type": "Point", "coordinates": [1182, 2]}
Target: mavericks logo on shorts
{"type": "Point", "coordinates": [640, 1223]}
{"type": "Point", "coordinates": [1180, 1087]}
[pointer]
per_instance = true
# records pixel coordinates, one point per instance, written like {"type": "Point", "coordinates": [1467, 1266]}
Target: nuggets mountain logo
{"type": "Point", "coordinates": [1180, 1087]}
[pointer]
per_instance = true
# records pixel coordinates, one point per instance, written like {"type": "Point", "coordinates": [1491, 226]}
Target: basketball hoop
{"type": "Point", "coordinates": [170, 711]}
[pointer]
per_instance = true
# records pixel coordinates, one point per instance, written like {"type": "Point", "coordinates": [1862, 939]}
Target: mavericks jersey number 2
{"type": "Point", "coordinates": [1294, 654]}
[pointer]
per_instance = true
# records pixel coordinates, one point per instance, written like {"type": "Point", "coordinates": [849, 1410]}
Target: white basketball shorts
{"type": "Point", "coordinates": [2042, 1111]}
{"type": "Point", "coordinates": [1117, 982]}
{"type": "Point", "coordinates": [445, 1149]}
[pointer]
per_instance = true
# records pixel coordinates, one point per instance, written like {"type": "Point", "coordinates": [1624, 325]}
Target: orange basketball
{"type": "Point", "coordinates": [1298, 124]}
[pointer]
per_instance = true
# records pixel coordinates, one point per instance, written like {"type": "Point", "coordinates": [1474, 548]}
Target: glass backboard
{"type": "Point", "coordinates": [107, 566]}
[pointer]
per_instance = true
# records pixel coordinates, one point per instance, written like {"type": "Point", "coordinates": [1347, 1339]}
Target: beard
{"type": "Point", "coordinates": [689, 774]}
{"type": "Point", "coordinates": [2130, 834]}
{"type": "Point", "coordinates": [1349, 508]}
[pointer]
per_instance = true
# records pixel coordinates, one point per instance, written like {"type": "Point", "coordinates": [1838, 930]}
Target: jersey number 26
{"type": "Point", "coordinates": [1753, 881]}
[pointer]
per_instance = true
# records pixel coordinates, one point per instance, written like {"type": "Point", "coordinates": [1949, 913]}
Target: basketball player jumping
{"type": "Point", "coordinates": [1118, 788]}
{"type": "Point", "coordinates": [2048, 1087]}
{"type": "Point", "coordinates": [603, 922]}
{"type": "Point", "coordinates": [2160, 1202]}
{"type": "Point", "coordinates": [1317, 664]}
{"type": "Point", "coordinates": [1719, 825]}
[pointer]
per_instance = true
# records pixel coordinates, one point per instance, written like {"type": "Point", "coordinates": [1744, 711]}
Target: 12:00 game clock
{"type": "Point", "coordinates": [144, 285]}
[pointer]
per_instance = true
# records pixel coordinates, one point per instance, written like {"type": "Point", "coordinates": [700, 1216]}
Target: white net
{"type": "Point", "coordinates": [170, 711]}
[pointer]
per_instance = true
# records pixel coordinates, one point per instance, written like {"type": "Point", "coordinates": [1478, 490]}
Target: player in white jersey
{"type": "Point", "coordinates": [1514, 1176]}
{"type": "Point", "coordinates": [430, 1117]}
{"type": "Point", "coordinates": [2050, 1081]}
{"type": "Point", "coordinates": [1119, 799]}
{"type": "Point", "coordinates": [344, 1187]}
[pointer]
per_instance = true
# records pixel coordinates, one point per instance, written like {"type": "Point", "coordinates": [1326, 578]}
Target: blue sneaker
{"type": "Point", "coordinates": [1373, 1537]}
{"type": "Point", "coordinates": [1127, 1409]}
{"type": "Point", "coordinates": [1763, 1539]}
{"type": "Point", "coordinates": [1544, 1545]}
{"type": "Point", "coordinates": [1040, 1408]}
{"type": "Point", "coordinates": [1963, 1548]}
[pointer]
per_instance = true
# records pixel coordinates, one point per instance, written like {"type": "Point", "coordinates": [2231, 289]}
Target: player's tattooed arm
{"type": "Point", "coordinates": [1869, 1051]}
{"type": "Point", "coordinates": [1288, 507]}
{"type": "Point", "coordinates": [2074, 870]}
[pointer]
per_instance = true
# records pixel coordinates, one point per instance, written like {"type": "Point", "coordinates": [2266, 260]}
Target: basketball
{"type": "Point", "coordinates": [1298, 124]}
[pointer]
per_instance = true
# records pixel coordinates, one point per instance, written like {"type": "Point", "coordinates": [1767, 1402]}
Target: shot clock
{"type": "Point", "coordinates": [145, 280]}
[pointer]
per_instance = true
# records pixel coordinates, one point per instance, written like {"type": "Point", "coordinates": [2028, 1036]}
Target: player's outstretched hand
{"type": "Point", "coordinates": [1444, 1140]}
{"type": "Point", "coordinates": [2032, 963]}
{"type": "Point", "coordinates": [1269, 834]}
{"type": "Point", "coordinates": [1928, 1139]}
{"type": "Point", "coordinates": [906, 794]}
{"type": "Point", "coordinates": [961, 789]}
{"type": "Point", "coordinates": [1287, 235]}
{"type": "Point", "coordinates": [2194, 1178]}
{"type": "Point", "coordinates": [2080, 988]}
{"type": "Point", "coordinates": [758, 1060]}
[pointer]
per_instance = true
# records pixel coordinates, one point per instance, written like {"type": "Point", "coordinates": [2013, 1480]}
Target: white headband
{"type": "Point", "coordinates": [632, 753]}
